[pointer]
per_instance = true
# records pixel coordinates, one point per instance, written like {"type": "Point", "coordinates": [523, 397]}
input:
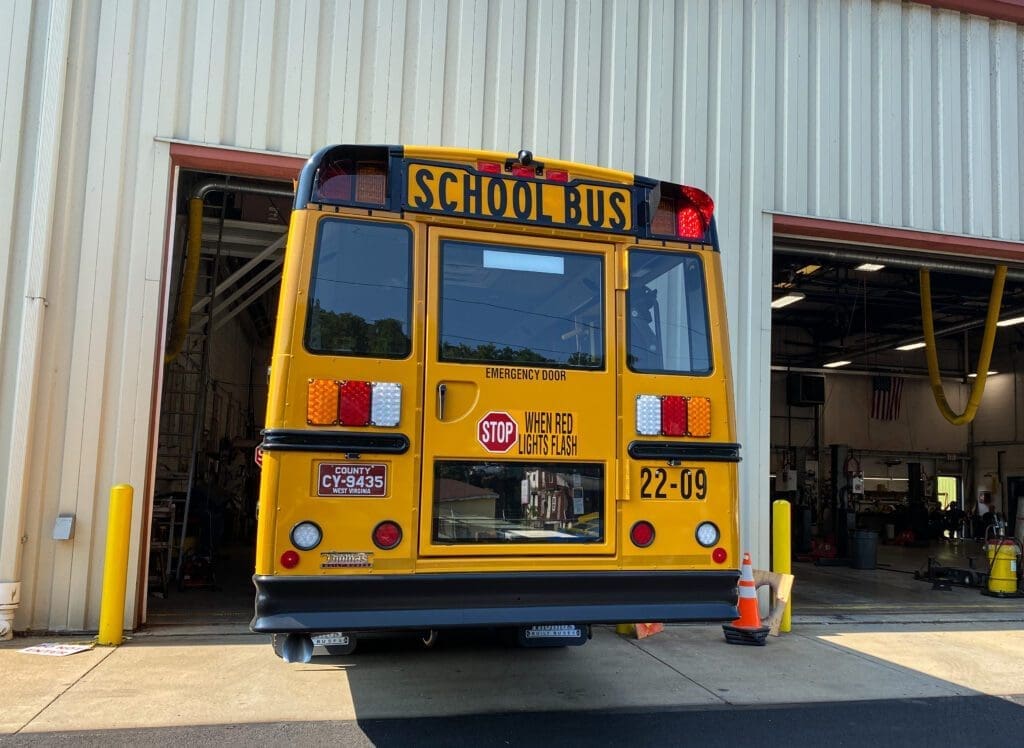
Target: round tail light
{"type": "Point", "coordinates": [642, 534]}
{"type": "Point", "coordinates": [719, 555]}
{"type": "Point", "coordinates": [387, 535]}
{"type": "Point", "coordinates": [289, 559]}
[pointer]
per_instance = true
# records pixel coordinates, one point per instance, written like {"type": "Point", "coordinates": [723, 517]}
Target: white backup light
{"type": "Point", "coordinates": [387, 404]}
{"type": "Point", "coordinates": [648, 415]}
{"type": "Point", "coordinates": [707, 534]}
{"type": "Point", "coordinates": [306, 536]}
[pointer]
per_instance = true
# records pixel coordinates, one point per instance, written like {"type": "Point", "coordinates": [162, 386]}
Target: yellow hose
{"type": "Point", "coordinates": [995, 299]}
{"type": "Point", "coordinates": [187, 290]}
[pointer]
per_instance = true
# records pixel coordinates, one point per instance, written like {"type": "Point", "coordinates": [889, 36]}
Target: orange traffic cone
{"type": "Point", "coordinates": [747, 629]}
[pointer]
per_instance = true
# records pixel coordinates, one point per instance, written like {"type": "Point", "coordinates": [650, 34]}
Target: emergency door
{"type": "Point", "coordinates": [520, 397]}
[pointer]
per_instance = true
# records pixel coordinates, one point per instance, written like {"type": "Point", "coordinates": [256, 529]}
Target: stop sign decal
{"type": "Point", "coordinates": [497, 431]}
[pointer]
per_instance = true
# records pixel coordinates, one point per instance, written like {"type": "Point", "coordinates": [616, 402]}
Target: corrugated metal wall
{"type": "Point", "coordinates": [880, 112]}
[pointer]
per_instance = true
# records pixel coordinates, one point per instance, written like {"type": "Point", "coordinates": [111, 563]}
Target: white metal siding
{"type": "Point", "coordinates": [882, 112]}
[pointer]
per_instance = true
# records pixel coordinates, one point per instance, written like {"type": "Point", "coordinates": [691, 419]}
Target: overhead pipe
{"type": "Point", "coordinates": [984, 356]}
{"type": "Point", "coordinates": [193, 253]}
{"type": "Point", "coordinates": [923, 263]}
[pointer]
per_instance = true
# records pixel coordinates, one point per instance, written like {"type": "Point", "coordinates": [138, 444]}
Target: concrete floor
{"type": "Point", "coordinates": [838, 592]}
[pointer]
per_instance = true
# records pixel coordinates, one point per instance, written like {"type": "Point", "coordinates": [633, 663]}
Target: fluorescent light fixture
{"type": "Point", "coordinates": [837, 364]}
{"type": "Point", "coordinates": [790, 298]}
{"type": "Point", "coordinates": [869, 267]}
{"type": "Point", "coordinates": [1009, 322]}
{"type": "Point", "coordinates": [911, 346]}
{"type": "Point", "coordinates": [809, 269]}
{"type": "Point", "coordinates": [973, 375]}
{"type": "Point", "coordinates": [530, 262]}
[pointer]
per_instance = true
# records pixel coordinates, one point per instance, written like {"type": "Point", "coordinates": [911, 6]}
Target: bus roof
{"type": "Point", "coordinates": [514, 188]}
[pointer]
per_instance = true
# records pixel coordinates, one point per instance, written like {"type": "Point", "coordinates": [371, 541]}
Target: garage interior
{"type": "Point", "coordinates": [885, 492]}
{"type": "Point", "coordinates": [206, 482]}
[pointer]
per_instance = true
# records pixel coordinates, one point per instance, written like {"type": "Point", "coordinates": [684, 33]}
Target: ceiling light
{"type": "Point", "coordinates": [869, 267]}
{"type": "Point", "coordinates": [809, 269]}
{"type": "Point", "coordinates": [973, 375]}
{"type": "Point", "coordinates": [837, 364]}
{"type": "Point", "coordinates": [790, 298]}
{"type": "Point", "coordinates": [1009, 322]}
{"type": "Point", "coordinates": [911, 346]}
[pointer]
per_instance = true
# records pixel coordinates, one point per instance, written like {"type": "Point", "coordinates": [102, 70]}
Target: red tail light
{"type": "Point", "coordinates": [289, 559]}
{"type": "Point", "coordinates": [335, 180]}
{"type": "Point", "coordinates": [488, 167]}
{"type": "Point", "coordinates": [354, 405]}
{"type": "Point", "coordinates": [642, 534]}
{"type": "Point", "coordinates": [719, 555]}
{"type": "Point", "coordinates": [673, 415]}
{"type": "Point", "coordinates": [387, 535]}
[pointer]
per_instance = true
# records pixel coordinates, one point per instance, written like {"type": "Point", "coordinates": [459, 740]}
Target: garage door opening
{"type": "Point", "coordinates": [879, 480]}
{"type": "Point", "coordinates": [227, 251]}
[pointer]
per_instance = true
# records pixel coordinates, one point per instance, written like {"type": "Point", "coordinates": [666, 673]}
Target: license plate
{"type": "Point", "coordinates": [352, 479]}
{"type": "Point", "coordinates": [674, 483]}
{"type": "Point", "coordinates": [323, 640]}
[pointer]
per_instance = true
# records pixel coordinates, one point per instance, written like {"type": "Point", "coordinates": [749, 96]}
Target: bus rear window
{"type": "Point", "coordinates": [668, 319]}
{"type": "Point", "coordinates": [521, 306]}
{"type": "Point", "coordinates": [518, 502]}
{"type": "Point", "coordinates": [360, 302]}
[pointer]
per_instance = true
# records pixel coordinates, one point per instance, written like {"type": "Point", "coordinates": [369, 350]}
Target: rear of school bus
{"type": "Point", "coordinates": [499, 396]}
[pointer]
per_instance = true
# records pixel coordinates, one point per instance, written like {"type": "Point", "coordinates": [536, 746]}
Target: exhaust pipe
{"type": "Point", "coordinates": [297, 648]}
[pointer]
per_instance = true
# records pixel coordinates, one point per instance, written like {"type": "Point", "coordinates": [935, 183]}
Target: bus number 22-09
{"type": "Point", "coordinates": [691, 484]}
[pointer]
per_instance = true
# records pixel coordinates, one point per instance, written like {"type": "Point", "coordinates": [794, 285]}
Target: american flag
{"type": "Point", "coordinates": [885, 397]}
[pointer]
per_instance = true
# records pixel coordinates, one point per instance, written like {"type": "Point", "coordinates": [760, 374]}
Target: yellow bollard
{"type": "Point", "coordinates": [115, 566]}
{"type": "Point", "coordinates": [782, 552]}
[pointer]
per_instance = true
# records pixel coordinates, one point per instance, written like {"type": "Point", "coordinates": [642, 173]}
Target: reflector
{"type": "Point", "coordinates": [387, 535]}
{"type": "Point", "coordinates": [642, 534]}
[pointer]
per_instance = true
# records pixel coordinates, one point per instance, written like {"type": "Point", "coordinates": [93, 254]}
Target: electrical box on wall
{"type": "Point", "coordinates": [64, 527]}
{"type": "Point", "coordinates": [805, 389]}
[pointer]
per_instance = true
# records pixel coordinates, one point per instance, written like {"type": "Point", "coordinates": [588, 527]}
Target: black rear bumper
{"type": "Point", "coordinates": [360, 603]}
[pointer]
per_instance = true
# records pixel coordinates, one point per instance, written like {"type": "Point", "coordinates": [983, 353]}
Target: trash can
{"type": "Point", "coordinates": [865, 549]}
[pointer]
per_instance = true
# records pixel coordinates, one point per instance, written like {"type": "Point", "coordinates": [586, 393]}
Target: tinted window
{"type": "Point", "coordinates": [668, 321]}
{"type": "Point", "coordinates": [504, 305]}
{"type": "Point", "coordinates": [359, 298]}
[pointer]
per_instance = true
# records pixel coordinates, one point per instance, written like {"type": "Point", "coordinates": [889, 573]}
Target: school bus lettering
{"type": "Point", "coordinates": [457, 191]}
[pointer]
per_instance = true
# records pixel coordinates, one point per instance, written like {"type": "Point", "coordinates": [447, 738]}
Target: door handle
{"type": "Point", "coordinates": [442, 389]}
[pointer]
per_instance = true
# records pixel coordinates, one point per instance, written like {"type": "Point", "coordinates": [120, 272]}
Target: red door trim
{"type": "Point", "coordinates": [884, 236]}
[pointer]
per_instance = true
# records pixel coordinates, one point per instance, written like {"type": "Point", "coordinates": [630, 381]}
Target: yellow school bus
{"type": "Point", "coordinates": [500, 396]}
